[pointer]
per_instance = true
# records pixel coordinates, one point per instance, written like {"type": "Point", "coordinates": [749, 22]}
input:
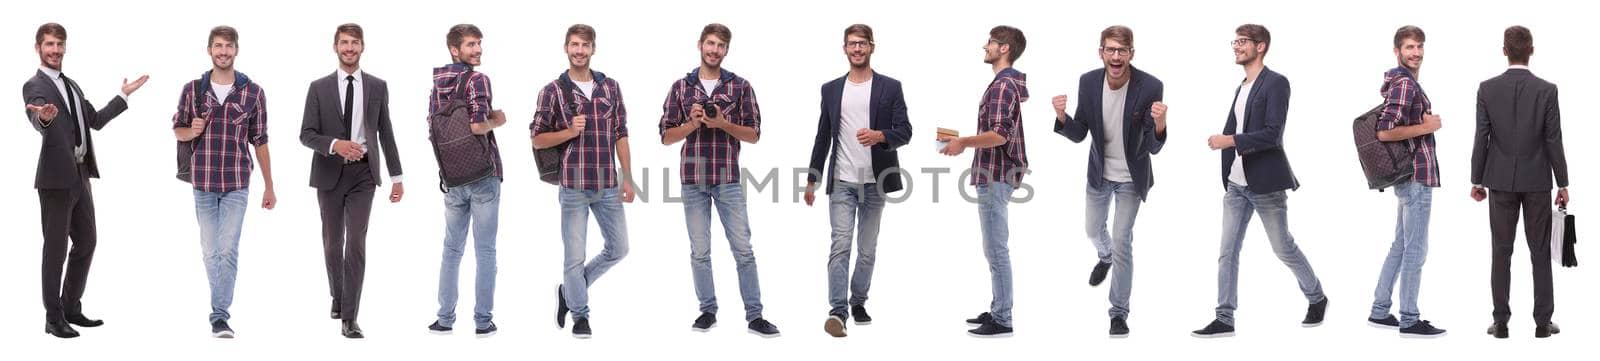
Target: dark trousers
{"type": "Point", "coordinates": [1535, 209]}
{"type": "Point", "coordinates": [66, 214]}
{"type": "Point", "coordinates": [345, 210]}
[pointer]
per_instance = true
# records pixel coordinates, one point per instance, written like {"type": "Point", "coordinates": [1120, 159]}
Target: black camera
{"type": "Point", "coordinates": [710, 108]}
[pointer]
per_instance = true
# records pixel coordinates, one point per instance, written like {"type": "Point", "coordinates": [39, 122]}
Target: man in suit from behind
{"type": "Point", "coordinates": [347, 127]}
{"type": "Point", "coordinates": [57, 110]}
{"type": "Point", "coordinates": [1515, 151]}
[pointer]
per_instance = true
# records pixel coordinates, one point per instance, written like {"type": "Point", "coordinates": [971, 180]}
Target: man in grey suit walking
{"type": "Point", "coordinates": [346, 125]}
{"type": "Point", "coordinates": [57, 110]}
{"type": "Point", "coordinates": [1516, 150]}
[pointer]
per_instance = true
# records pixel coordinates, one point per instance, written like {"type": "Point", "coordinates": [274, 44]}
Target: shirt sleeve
{"type": "Point", "coordinates": [672, 114]}
{"type": "Point", "coordinates": [546, 116]}
{"type": "Point", "coordinates": [480, 95]}
{"type": "Point", "coordinates": [258, 121]}
{"type": "Point", "coordinates": [621, 130]}
{"type": "Point", "coordinates": [181, 119]}
{"type": "Point", "coordinates": [1001, 113]}
{"type": "Point", "coordinates": [749, 109]}
{"type": "Point", "coordinates": [1395, 103]}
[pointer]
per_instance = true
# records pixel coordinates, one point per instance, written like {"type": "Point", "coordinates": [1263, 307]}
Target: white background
{"type": "Point", "coordinates": [149, 284]}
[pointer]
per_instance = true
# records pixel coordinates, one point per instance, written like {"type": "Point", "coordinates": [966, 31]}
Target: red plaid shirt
{"type": "Point", "coordinates": [478, 90]}
{"type": "Point", "coordinates": [1001, 112]}
{"type": "Point", "coordinates": [711, 156]}
{"type": "Point", "coordinates": [1404, 104]}
{"type": "Point", "coordinates": [221, 161]}
{"type": "Point", "coordinates": [588, 161]}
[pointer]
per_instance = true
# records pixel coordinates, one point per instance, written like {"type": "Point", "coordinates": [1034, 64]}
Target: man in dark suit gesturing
{"type": "Point", "coordinates": [346, 125]}
{"type": "Point", "coordinates": [1516, 149]}
{"type": "Point", "coordinates": [56, 108]}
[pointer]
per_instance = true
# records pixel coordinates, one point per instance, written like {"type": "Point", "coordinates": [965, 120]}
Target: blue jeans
{"type": "Point", "coordinates": [993, 198]}
{"type": "Point", "coordinates": [221, 217]}
{"type": "Point", "coordinates": [1114, 248]}
{"type": "Point", "coordinates": [854, 210]}
{"type": "Point", "coordinates": [730, 202]}
{"type": "Point", "coordinates": [1273, 207]}
{"type": "Point", "coordinates": [577, 276]}
{"type": "Point", "coordinates": [1406, 256]}
{"type": "Point", "coordinates": [476, 204]}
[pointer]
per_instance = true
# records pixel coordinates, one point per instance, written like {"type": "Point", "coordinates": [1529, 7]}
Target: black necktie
{"type": "Point", "coordinates": [349, 104]}
{"type": "Point", "coordinates": [72, 109]}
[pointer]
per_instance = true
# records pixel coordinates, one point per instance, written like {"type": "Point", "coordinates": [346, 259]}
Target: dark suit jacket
{"type": "Point", "coordinates": [58, 167]}
{"type": "Point", "coordinates": [324, 122]}
{"type": "Point", "coordinates": [1138, 127]}
{"type": "Point", "coordinates": [1260, 144]}
{"type": "Point", "coordinates": [888, 116]}
{"type": "Point", "coordinates": [1518, 142]}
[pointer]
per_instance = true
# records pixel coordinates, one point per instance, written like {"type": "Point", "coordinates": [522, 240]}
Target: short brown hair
{"type": "Point", "coordinates": [351, 29]}
{"type": "Point", "coordinates": [861, 30]}
{"type": "Point", "coordinates": [51, 29]}
{"type": "Point", "coordinates": [1519, 44]}
{"type": "Point", "coordinates": [1119, 33]}
{"type": "Point", "coordinates": [459, 32]}
{"type": "Point", "coordinates": [584, 32]}
{"type": "Point", "coordinates": [1256, 33]}
{"type": "Point", "coordinates": [719, 30]}
{"type": "Point", "coordinates": [1409, 32]}
{"type": "Point", "coordinates": [225, 32]}
{"type": "Point", "coordinates": [1010, 36]}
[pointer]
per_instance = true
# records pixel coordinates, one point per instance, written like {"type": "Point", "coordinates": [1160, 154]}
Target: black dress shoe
{"type": "Point", "coordinates": [351, 330]}
{"type": "Point", "coordinates": [1499, 330]}
{"type": "Point", "coordinates": [81, 321]}
{"type": "Point", "coordinates": [61, 330]}
{"type": "Point", "coordinates": [1546, 330]}
{"type": "Point", "coordinates": [334, 310]}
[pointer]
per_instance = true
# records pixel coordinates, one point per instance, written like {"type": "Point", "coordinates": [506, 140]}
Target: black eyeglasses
{"type": "Point", "coordinates": [858, 44]}
{"type": "Point", "coordinates": [1116, 51]}
{"type": "Point", "coordinates": [1240, 41]}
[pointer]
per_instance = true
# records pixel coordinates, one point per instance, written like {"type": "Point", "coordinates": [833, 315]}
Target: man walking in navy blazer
{"type": "Point", "coordinates": [863, 121]}
{"type": "Point", "coordinates": [1256, 175]}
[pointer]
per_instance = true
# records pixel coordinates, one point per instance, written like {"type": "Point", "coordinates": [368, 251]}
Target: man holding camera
{"type": "Point", "coordinates": [712, 111]}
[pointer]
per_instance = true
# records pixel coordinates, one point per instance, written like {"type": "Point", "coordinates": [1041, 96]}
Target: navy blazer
{"type": "Point", "coordinates": [1266, 167]}
{"type": "Point", "coordinates": [888, 116]}
{"type": "Point", "coordinates": [1138, 128]}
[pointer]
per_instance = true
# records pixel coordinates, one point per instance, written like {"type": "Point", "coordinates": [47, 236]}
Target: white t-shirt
{"type": "Point", "coordinates": [853, 161]}
{"type": "Point", "coordinates": [1240, 105]}
{"type": "Point", "coordinates": [222, 91]}
{"type": "Point", "coordinates": [587, 87]}
{"type": "Point", "coordinates": [1112, 103]}
{"type": "Point", "coordinates": [709, 85]}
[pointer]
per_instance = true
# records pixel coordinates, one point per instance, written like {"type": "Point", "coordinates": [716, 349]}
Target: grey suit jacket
{"type": "Point", "coordinates": [1517, 146]}
{"type": "Point", "coordinates": [324, 123]}
{"type": "Point", "coordinates": [58, 166]}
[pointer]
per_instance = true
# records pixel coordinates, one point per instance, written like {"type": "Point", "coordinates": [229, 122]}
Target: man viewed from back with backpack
{"type": "Point", "coordinates": [582, 112]}
{"type": "Point", "coordinates": [477, 203]}
{"type": "Point", "coordinates": [1407, 116]}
